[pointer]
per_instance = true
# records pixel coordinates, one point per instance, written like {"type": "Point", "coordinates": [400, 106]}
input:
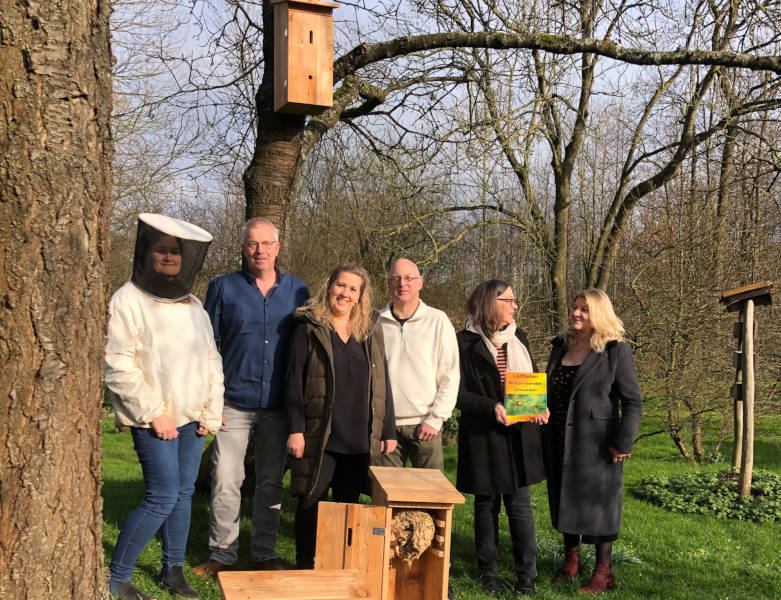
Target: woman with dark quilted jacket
{"type": "Point", "coordinates": [338, 398]}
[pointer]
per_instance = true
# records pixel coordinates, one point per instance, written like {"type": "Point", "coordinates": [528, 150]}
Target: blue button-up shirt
{"type": "Point", "coordinates": [252, 332]}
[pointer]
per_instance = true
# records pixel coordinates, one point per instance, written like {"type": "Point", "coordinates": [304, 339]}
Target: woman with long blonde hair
{"type": "Point", "coordinates": [338, 398]}
{"type": "Point", "coordinates": [595, 407]}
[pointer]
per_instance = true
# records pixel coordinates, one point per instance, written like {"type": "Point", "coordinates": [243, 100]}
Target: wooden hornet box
{"type": "Point", "coordinates": [303, 55]}
{"type": "Point", "coordinates": [356, 536]}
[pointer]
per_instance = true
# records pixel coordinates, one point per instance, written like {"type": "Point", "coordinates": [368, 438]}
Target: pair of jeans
{"type": "Point", "coordinates": [421, 455]}
{"type": "Point", "coordinates": [347, 475]}
{"type": "Point", "coordinates": [521, 520]}
{"type": "Point", "coordinates": [269, 430]}
{"type": "Point", "coordinates": [170, 468]}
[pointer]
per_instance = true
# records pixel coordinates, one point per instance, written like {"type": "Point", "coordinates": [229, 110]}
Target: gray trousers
{"type": "Point", "coordinates": [269, 429]}
{"type": "Point", "coordinates": [421, 455]}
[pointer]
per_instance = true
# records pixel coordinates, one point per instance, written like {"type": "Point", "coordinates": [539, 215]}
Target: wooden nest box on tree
{"type": "Point", "coordinates": [303, 56]}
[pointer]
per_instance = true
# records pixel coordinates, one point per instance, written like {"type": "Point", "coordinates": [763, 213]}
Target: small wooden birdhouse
{"type": "Point", "coordinates": [303, 55]}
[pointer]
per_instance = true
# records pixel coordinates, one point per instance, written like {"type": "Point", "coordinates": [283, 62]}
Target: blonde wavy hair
{"type": "Point", "coordinates": [361, 314]}
{"type": "Point", "coordinates": [607, 326]}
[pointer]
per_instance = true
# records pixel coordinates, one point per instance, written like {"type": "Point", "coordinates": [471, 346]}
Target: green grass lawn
{"type": "Point", "coordinates": [658, 554]}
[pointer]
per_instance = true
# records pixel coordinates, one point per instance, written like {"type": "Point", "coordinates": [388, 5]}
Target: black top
{"type": "Point", "coordinates": [350, 418]}
{"type": "Point", "coordinates": [559, 391]}
{"type": "Point", "coordinates": [399, 319]}
{"type": "Point", "coordinates": [343, 353]}
{"type": "Point", "coordinates": [492, 459]}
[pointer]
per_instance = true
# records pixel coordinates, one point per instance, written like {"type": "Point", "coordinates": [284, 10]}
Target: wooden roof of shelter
{"type": "Point", "coordinates": [759, 292]}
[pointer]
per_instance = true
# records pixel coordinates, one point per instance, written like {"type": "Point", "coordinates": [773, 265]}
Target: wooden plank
{"type": "Point", "coordinates": [758, 287]}
{"type": "Point", "coordinates": [366, 544]}
{"type": "Point", "coordinates": [331, 527]}
{"type": "Point", "coordinates": [325, 584]}
{"type": "Point", "coordinates": [747, 457]}
{"type": "Point", "coordinates": [760, 293]}
{"type": "Point", "coordinates": [391, 485]}
{"type": "Point", "coordinates": [410, 580]}
{"type": "Point", "coordinates": [436, 570]}
{"type": "Point", "coordinates": [280, 57]}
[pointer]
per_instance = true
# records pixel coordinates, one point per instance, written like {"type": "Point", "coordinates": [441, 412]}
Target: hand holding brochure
{"type": "Point", "coordinates": [525, 395]}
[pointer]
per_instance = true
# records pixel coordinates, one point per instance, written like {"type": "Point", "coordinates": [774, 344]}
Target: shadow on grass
{"type": "Point", "coordinates": [767, 454]}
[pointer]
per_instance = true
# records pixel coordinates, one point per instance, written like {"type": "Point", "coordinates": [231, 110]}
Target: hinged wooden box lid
{"type": "Point", "coordinates": [397, 486]}
{"type": "Point", "coordinates": [303, 55]}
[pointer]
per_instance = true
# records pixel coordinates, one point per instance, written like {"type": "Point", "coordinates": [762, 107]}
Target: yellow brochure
{"type": "Point", "coordinates": [525, 395]}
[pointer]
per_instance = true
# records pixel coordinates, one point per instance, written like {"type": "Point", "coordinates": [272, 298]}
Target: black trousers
{"type": "Point", "coordinates": [346, 475]}
{"type": "Point", "coordinates": [521, 520]}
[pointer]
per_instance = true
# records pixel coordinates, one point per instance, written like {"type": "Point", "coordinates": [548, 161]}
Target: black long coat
{"type": "Point", "coordinates": [492, 458]}
{"type": "Point", "coordinates": [604, 410]}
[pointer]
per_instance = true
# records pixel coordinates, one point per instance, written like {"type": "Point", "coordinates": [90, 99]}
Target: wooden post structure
{"type": "Point", "coordinates": [744, 299]}
{"type": "Point", "coordinates": [736, 393]}
{"type": "Point", "coordinates": [747, 454]}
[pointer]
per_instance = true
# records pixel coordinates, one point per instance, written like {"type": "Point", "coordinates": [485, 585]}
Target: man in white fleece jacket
{"type": "Point", "coordinates": [422, 354]}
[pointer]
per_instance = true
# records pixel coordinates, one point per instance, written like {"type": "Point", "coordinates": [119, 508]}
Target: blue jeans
{"type": "Point", "coordinates": [170, 468]}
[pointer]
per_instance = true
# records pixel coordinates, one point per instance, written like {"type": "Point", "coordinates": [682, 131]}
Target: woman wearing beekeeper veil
{"type": "Point", "coordinates": [165, 373]}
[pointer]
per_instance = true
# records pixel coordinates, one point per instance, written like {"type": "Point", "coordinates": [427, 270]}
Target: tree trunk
{"type": "Point", "coordinates": [55, 189]}
{"type": "Point", "coordinates": [675, 436]}
{"type": "Point", "coordinates": [559, 262]}
{"type": "Point", "coordinates": [699, 453]}
{"type": "Point", "coordinates": [270, 178]}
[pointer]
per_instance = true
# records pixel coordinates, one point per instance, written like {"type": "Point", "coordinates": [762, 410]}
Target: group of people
{"type": "Point", "coordinates": [333, 386]}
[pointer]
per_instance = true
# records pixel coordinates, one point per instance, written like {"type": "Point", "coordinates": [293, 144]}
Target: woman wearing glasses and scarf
{"type": "Point", "coordinates": [497, 460]}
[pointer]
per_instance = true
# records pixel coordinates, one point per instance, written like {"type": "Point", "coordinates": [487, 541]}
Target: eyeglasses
{"type": "Point", "coordinates": [510, 300]}
{"type": "Point", "coordinates": [252, 246]}
{"type": "Point", "coordinates": [397, 279]}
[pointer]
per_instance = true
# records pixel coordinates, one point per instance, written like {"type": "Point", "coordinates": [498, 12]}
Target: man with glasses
{"type": "Point", "coordinates": [252, 316]}
{"type": "Point", "coordinates": [422, 354]}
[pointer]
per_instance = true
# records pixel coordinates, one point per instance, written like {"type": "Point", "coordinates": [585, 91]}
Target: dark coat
{"type": "Point", "coordinates": [310, 389]}
{"type": "Point", "coordinates": [492, 458]}
{"type": "Point", "coordinates": [604, 410]}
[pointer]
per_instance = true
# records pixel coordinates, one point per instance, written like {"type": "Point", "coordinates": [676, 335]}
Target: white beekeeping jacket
{"type": "Point", "coordinates": [160, 355]}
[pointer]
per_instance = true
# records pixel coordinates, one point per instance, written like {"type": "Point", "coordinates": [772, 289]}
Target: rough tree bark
{"type": "Point", "coordinates": [55, 187]}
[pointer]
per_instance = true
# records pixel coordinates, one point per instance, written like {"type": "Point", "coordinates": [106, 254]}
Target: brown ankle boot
{"type": "Point", "coordinates": [601, 580]}
{"type": "Point", "coordinates": [571, 569]}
